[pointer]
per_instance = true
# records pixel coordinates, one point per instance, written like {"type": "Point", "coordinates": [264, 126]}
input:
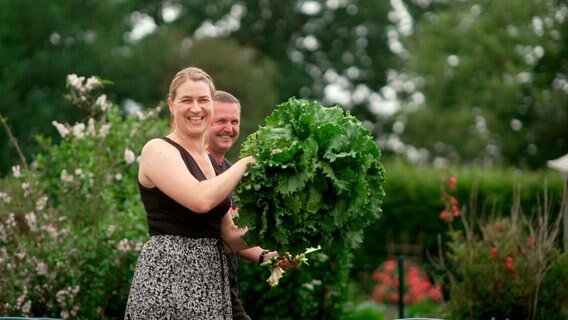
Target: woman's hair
{"type": "Point", "coordinates": [184, 75]}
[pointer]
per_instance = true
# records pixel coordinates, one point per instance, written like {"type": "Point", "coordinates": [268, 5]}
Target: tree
{"type": "Point", "coordinates": [494, 77]}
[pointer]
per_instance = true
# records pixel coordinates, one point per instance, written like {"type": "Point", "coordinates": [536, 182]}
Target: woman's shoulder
{"type": "Point", "coordinates": [156, 145]}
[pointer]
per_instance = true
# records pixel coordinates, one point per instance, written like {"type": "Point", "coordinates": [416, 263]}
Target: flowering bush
{"type": "Point", "coordinates": [502, 267]}
{"type": "Point", "coordinates": [71, 223]}
{"type": "Point", "coordinates": [451, 205]}
{"type": "Point", "coordinates": [417, 286]}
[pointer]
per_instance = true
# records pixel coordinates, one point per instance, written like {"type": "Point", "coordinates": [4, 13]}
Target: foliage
{"type": "Point", "coordinates": [71, 226]}
{"type": "Point", "coordinates": [316, 180]}
{"type": "Point", "coordinates": [411, 209]}
{"type": "Point", "coordinates": [366, 310]}
{"type": "Point", "coordinates": [495, 71]}
{"type": "Point", "coordinates": [498, 268]}
{"type": "Point", "coordinates": [317, 291]}
{"type": "Point", "coordinates": [417, 286]}
{"type": "Point", "coordinates": [252, 48]}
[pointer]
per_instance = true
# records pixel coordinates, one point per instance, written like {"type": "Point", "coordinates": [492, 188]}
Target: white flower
{"type": "Point", "coordinates": [61, 128]}
{"type": "Point", "coordinates": [91, 127]}
{"type": "Point", "coordinates": [16, 171]}
{"type": "Point", "coordinates": [5, 197]}
{"type": "Point", "coordinates": [129, 156]}
{"type": "Point", "coordinates": [51, 230]}
{"type": "Point", "coordinates": [26, 188]}
{"type": "Point", "coordinates": [21, 255]}
{"type": "Point", "coordinates": [111, 230]}
{"type": "Point", "coordinates": [140, 115]}
{"type": "Point", "coordinates": [76, 82]}
{"type": "Point", "coordinates": [101, 102]}
{"type": "Point", "coordinates": [78, 130]}
{"type": "Point", "coordinates": [66, 177]}
{"type": "Point", "coordinates": [26, 308]}
{"type": "Point", "coordinates": [104, 130]}
{"type": "Point", "coordinates": [61, 296]}
{"type": "Point", "coordinates": [123, 246]}
{"type": "Point", "coordinates": [92, 83]}
{"type": "Point", "coordinates": [118, 177]}
{"type": "Point", "coordinates": [3, 238]}
{"type": "Point", "coordinates": [11, 222]}
{"type": "Point", "coordinates": [40, 203]}
{"type": "Point", "coordinates": [78, 172]}
{"type": "Point", "coordinates": [31, 221]}
{"type": "Point", "coordinates": [41, 268]}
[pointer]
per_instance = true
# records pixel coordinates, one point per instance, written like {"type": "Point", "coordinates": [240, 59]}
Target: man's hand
{"type": "Point", "coordinates": [285, 262]}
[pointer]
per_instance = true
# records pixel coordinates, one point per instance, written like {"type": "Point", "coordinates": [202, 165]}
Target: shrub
{"type": "Point", "coordinates": [412, 204]}
{"type": "Point", "coordinates": [71, 223]}
{"type": "Point", "coordinates": [501, 267]}
{"type": "Point", "coordinates": [315, 291]}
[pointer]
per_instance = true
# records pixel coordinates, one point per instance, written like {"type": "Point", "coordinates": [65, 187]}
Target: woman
{"type": "Point", "coordinates": [182, 270]}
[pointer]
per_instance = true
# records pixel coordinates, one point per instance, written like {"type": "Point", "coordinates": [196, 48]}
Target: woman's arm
{"type": "Point", "coordinates": [162, 166]}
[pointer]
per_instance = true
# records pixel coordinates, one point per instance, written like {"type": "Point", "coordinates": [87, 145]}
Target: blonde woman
{"type": "Point", "coordinates": [182, 270]}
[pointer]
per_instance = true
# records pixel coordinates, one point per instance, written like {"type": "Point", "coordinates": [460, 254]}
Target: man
{"type": "Point", "coordinates": [223, 134]}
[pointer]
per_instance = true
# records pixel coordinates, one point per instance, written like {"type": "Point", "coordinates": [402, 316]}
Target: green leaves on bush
{"type": "Point", "coordinates": [317, 179]}
{"type": "Point", "coordinates": [71, 223]}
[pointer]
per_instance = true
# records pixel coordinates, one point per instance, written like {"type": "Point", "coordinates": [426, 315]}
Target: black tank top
{"type": "Point", "coordinates": [166, 216]}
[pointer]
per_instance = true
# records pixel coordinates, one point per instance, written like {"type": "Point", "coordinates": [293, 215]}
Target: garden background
{"type": "Point", "coordinates": [475, 90]}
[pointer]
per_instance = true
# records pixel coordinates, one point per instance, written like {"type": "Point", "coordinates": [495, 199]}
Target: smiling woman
{"type": "Point", "coordinates": [182, 271]}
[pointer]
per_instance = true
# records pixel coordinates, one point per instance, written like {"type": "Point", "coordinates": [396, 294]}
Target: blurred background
{"type": "Point", "coordinates": [473, 89]}
{"type": "Point", "coordinates": [461, 82]}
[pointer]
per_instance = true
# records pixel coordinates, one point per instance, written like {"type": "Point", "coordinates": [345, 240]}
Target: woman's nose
{"type": "Point", "coordinates": [195, 106]}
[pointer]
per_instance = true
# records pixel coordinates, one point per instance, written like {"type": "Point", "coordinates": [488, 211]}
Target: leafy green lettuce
{"type": "Point", "coordinates": [317, 179]}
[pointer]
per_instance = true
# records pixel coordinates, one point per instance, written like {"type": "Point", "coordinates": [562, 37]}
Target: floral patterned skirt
{"type": "Point", "coordinates": [180, 278]}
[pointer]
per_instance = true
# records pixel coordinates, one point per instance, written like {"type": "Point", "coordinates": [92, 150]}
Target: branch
{"type": "Point", "coordinates": [14, 141]}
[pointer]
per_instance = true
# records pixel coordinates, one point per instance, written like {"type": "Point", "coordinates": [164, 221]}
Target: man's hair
{"type": "Point", "coordinates": [224, 96]}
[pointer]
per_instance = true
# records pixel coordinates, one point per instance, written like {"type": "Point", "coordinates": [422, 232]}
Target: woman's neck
{"type": "Point", "coordinates": [191, 144]}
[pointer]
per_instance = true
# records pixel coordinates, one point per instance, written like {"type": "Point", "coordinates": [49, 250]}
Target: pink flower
{"type": "Point", "coordinates": [392, 297]}
{"type": "Point", "coordinates": [493, 252]}
{"type": "Point", "coordinates": [452, 182]}
{"type": "Point", "coordinates": [389, 265]}
{"type": "Point", "coordinates": [509, 264]}
{"type": "Point", "coordinates": [455, 211]}
{"type": "Point", "coordinates": [435, 294]}
{"type": "Point", "coordinates": [443, 215]}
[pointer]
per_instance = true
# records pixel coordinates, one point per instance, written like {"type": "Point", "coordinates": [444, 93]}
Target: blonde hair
{"type": "Point", "coordinates": [184, 75]}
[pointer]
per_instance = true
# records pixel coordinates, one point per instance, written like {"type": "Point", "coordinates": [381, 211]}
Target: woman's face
{"type": "Point", "coordinates": [192, 107]}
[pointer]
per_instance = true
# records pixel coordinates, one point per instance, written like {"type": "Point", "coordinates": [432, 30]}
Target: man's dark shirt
{"type": "Point", "coordinates": [238, 309]}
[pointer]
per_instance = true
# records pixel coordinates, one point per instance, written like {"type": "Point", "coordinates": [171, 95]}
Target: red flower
{"type": "Point", "coordinates": [389, 265]}
{"type": "Point", "coordinates": [444, 215]}
{"type": "Point", "coordinates": [435, 293]}
{"type": "Point", "coordinates": [452, 182]}
{"type": "Point", "coordinates": [509, 264]}
{"type": "Point", "coordinates": [455, 211]}
{"type": "Point", "coordinates": [392, 297]}
{"type": "Point", "coordinates": [417, 286]}
{"type": "Point", "coordinates": [494, 252]}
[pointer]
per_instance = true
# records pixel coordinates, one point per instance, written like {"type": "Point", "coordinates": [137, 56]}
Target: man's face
{"type": "Point", "coordinates": [225, 126]}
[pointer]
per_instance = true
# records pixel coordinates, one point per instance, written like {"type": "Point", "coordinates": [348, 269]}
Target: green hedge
{"type": "Point", "coordinates": [413, 202]}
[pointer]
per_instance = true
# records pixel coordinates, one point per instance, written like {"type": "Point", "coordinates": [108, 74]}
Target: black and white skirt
{"type": "Point", "coordinates": [180, 278]}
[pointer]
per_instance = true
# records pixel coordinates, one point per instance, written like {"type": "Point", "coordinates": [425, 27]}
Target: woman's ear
{"type": "Point", "coordinates": [171, 107]}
